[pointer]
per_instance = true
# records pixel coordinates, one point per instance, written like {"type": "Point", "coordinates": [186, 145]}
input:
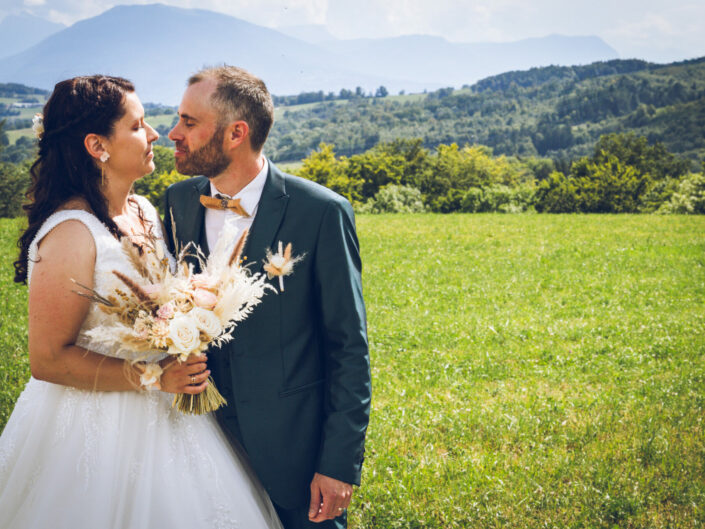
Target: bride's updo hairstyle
{"type": "Point", "coordinates": [64, 169]}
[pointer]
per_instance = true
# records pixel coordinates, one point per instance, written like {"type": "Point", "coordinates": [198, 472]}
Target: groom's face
{"type": "Point", "coordinates": [198, 135]}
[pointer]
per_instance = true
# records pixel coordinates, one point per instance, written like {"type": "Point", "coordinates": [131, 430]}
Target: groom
{"type": "Point", "coordinates": [296, 376]}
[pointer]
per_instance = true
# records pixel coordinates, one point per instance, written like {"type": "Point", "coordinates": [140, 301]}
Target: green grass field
{"type": "Point", "coordinates": [161, 119]}
{"type": "Point", "coordinates": [528, 370]}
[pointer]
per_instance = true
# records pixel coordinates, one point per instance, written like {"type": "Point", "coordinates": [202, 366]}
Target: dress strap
{"type": "Point", "coordinates": [97, 229]}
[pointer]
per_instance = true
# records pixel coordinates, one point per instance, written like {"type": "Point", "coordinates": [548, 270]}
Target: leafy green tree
{"type": "Point", "coordinates": [541, 168]}
{"type": "Point", "coordinates": [453, 171]}
{"type": "Point", "coordinates": [416, 162]}
{"type": "Point", "coordinates": [382, 92]}
{"type": "Point", "coordinates": [611, 186]}
{"type": "Point", "coordinates": [163, 159]}
{"type": "Point", "coordinates": [23, 149]}
{"type": "Point", "coordinates": [154, 186]}
{"type": "Point", "coordinates": [556, 194]}
{"type": "Point", "coordinates": [14, 181]}
{"type": "Point", "coordinates": [625, 174]}
{"type": "Point", "coordinates": [636, 151]}
{"type": "Point", "coordinates": [320, 165]}
{"type": "Point", "coordinates": [324, 168]}
{"type": "Point", "coordinates": [4, 140]}
{"type": "Point", "coordinates": [375, 169]}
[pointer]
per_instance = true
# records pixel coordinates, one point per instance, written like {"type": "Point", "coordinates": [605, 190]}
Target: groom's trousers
{"type": "Point", "coordinates": [296, 518]}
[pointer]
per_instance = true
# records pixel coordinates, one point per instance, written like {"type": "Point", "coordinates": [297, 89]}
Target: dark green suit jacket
{"type": "Point", "coordinates": [297, 374]}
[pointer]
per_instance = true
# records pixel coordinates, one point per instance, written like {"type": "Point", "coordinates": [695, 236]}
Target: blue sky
{"type": "Point", "coordinates": [656, 30]}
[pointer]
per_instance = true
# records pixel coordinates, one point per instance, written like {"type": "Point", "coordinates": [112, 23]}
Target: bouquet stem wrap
{"type": "Point", "coordinates": [207, 401]}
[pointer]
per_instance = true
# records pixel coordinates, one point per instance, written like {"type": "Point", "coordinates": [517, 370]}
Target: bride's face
{"type": "Point", "coordinates": [130, 144]}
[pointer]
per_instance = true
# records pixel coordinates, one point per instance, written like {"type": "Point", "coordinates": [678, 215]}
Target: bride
{"type": "Point", "coordinates": [86, 446]}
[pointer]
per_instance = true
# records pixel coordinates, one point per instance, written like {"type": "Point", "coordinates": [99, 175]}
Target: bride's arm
{"type": "Point", "coordinates": [56, 314]}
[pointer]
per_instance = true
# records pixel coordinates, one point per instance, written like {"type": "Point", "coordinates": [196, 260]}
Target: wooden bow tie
{"type": "Point", "coordinates": [221, 202]}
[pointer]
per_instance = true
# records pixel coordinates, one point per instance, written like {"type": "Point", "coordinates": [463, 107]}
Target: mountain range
{"type": "Point", "coordinates": [19, 32]}
{"type": "Point", "coordinates": [159, 46]}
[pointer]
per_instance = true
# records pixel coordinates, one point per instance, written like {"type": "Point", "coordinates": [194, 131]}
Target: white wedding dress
{"type": "Point", "coordinates": [76, 459]}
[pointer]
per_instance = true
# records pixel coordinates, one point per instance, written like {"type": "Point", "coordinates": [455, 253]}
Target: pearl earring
{"type": "Point", "coordinates": [104, 157]}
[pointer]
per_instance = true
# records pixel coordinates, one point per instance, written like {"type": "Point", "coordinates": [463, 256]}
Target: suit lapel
{"type": "Point", "coordinates": [194, 212]}
{"type": "Point", "coordinates": [189, 215]}
{"type": "Point", "coordinates": [270, 213]}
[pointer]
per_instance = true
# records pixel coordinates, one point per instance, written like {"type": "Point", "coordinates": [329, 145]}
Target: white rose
{"type": "Point", "coordinates": [184, 335]}
{"type": "Point", "coordinates": [206, 321]}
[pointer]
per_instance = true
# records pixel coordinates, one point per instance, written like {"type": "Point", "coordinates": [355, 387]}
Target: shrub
{"type": "Point", "coordinates": [14, 181]}
{"type": "Point", "coordinates": [498, 199]}
{"type": "Point", "coordinates": [689, 197]}
{"type": "Point", "coordinates": [556, 194]}
{"type": "Point", "coordinates": [324, 168]}
{"type": "Point", "coordinates": [394, 199]}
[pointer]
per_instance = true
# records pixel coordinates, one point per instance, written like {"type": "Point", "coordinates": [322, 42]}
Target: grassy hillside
{"type": "Point", "coordinates": [529, 371]}
{"type": "Point", "coordinates": [557, 112]}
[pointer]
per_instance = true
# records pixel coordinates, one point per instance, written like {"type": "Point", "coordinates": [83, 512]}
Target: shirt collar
{"type": "Point", "coordinates": [250, 194]}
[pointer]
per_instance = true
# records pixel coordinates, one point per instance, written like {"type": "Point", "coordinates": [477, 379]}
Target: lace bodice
{"type": "Point", "coordinates": [109, 257]}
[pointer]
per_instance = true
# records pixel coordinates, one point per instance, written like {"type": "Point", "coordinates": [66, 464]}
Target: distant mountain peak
{"type": "Point", "coordinates": [140, 42]}
{"type": "Point", "coordinates": [23, 30]}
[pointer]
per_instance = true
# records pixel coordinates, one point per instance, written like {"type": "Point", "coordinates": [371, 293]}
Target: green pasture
{"type": "Point", "coordinates": [161, 119]}
{"type": "Point", "coordinates": [280, 110]}
{"type": "Point", "coordinates": [15, 134]}
{"type": "Point", "coordinates": [529, 371]}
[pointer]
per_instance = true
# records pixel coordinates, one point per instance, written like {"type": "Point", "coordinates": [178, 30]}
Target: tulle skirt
{"type": "Point", "coordinates": [125, 460]}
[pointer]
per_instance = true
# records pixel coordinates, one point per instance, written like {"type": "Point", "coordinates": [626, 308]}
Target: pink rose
{"type": "Point", "coordinates": [204, 298]}
{"type": "Point", "coordinates": [166, 311]}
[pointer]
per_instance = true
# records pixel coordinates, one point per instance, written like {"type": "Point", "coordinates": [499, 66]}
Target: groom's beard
{"type": "Point", "coordinates": [209, 160]}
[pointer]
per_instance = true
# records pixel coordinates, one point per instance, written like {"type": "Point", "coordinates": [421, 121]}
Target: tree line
{"type": "Point", "coordinates": [624, 174]}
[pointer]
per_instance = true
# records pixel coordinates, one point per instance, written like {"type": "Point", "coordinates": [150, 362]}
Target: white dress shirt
{"type": "Point", "coordinates": [249, 199]}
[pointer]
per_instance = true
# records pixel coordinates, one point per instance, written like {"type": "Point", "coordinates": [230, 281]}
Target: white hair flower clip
{"type": "Point", "coordinates": [38, 126]}
{"type": "Point", "coordinates": [280, 264]}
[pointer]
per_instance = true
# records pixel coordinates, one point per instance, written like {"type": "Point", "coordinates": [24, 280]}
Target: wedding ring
{"type": "Point", "coordinates": [193, 379]}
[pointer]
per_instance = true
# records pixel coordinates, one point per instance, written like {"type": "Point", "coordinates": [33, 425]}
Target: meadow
{"type": "Point", "coordinates": [529, 371]}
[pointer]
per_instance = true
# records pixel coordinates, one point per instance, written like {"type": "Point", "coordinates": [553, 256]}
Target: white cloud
{"type": "Point", "coordinates": [671, 34]}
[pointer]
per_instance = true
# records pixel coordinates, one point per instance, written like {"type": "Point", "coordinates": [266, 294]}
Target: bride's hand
{"type": "Point", "coordinates": [189, 377]}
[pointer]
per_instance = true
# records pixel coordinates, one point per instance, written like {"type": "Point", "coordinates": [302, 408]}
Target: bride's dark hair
{"type": "Point", "coordinates": [64, 169]}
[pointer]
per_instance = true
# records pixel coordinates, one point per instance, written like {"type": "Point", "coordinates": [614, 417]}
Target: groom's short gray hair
{"type": "Point", "coordinates": [239, 95]}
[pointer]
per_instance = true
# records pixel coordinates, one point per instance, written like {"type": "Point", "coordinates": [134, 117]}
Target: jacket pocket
{"type": "Point", "coordinates": [299, 389]}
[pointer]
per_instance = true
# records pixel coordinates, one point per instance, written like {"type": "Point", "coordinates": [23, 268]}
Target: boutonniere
{"type": "Point", "coordinates": [280, 264]}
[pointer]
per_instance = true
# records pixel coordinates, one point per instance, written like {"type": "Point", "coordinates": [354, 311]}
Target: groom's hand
{"type": "Point", "coordinates": [329, 498]}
